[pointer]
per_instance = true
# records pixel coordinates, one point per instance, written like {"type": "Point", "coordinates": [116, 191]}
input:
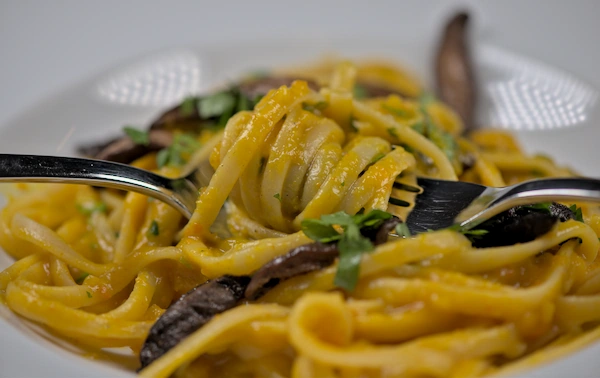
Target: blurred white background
{"type": "Point", "coordinates": [48, 45]}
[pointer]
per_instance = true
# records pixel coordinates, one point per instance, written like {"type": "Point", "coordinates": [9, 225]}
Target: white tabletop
{"type": "Point", "coordinates": [49, 45]}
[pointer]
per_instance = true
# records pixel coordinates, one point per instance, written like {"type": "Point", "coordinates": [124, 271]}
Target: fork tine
{"type": "Point", "coordinates": [439, 203]}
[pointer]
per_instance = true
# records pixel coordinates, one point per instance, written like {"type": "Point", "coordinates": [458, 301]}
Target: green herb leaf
{"type": "Point", "coordinates": [319, 231]}
{"type": "Point", "coordinates": [426, 99]}
{"type": "Point", "coordinates": [360, 91]}
{"type": "Point", "coordinates": [392, 131]}
{"type": "Point", "coordinates": [90, 208]}
{"type": "Point", "coordinates": [371, 219]}
{"type": "Point", "coordinates": [216, 104]}
{"type": "Point", "coordinates": [243, 103]}
{"type": "Point", "coordinates": [351, 122]}
{"type": "Point", "coordinates": [137, 136]}
{"type": "Point", "coordinates": [377, 157]}
{"type": "Point", "coordinates": [162, 157]}
{"type": "Point", "coordinates": [351, 246]}
{"type": "Point", "coordinates": [395, 111]}
{"type": "Point", "coordinates": [174, 155]}
{"type": "Point", "coordinates": [89, 295]}
{"type": "Point", "coordinates": [419, 127]}
{"type": "Point", "coordinates": [278, 196]}
{"type": "Point", "coordinates": [153, 230]}
{"type": "Point", "coordinates": [315, 108]}
{"type": "Point", "coordinates": [188, 106]}
{"type": "Point", "coordinates": [402, 230]}
{"type": "Point", "coordinates": [81, 278]}
{"type": "Point", "coordinates": [578, 215]}
{"type": "Point", "coordinates": [478, 232]}
{"type": "Point", "coordinates": [351, 243]}
{"type": "Point", "coordinates": [543, 206]}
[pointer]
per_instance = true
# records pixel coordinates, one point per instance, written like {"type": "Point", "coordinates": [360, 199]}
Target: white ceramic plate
{"type": "Point", "coordinates": [551, 111]}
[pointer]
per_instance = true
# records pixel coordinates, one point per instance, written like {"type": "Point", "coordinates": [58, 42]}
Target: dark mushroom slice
{"type": "Point", "coordinates": [379, 235]}
{"type": "Point", "coordinates": [300, 260]}
{"type": "Point", "coordinates": [125, 150]}
{"type": "Point", "coordinates": [308, 258]}
{"type": "Point", "coordinates": [520, 224]}
{"type": "Point", "coordinates": [191, 312]}
{"type": "Point", "coordinates": [455, 78]}
{"type": "Point", "coordinates": [366, 89]}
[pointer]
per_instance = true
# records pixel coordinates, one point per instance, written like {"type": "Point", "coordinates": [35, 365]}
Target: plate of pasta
{"type": "Point", "coordinates": [298, 260]}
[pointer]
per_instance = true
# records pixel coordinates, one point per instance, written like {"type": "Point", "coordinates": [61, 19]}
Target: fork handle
{"type": "Point", "coordinates": [562, 189]}
{"type": "Point", "coordinates": [535, 191]}
{"type": "Point", "coordinates": [54, 169]}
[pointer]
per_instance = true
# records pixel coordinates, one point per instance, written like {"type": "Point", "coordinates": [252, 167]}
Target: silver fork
{"type": "Point", "coordinates": [439, 204]}
{"type": "Point", "coordinates": [181, 192]}
{"type": "Point", "coordinates": [444, 203]}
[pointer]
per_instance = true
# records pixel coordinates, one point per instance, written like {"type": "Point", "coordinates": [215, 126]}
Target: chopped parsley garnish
{"type": "Point", "coordinates": [154, 230]}
{"type": "Point", "coordinates": [426, 98]}
{"type": "Point", "coordinates": [392, 131]}
{"type": "Point", "coordinates": [217, 104]}
{"type": "Point", "coordinates": [316, 107]}
{"type": "Point", "coordinates": [343, 183]}
{"type": "Point", "coordinates": [243, 103]}
{"type": "Point", "coordinates": [175, 154]}
{"type": "Point", "coordinates": [402, 230]}
{"type": "Point", "coordinates": [377, 157]}
{"type": "Point", "coordinates": [395, 111]}
{"type": "Point", "coordinates": [544, 206]}
{"type": "Point", "coordinates": [475, 234]}
{"type": "Point", "coordinates": [277, 196]}
{"type": "Point", "coordinates": [81, 278]}
{"type": "Point", "coordinates": [577, 214]}
{"type": "Point", "coordinates": [351, 243]}
{"type": "Point", "coordinates": [90, 208]}
{"type": "Point", "coordinates": [352, 125]}
{"type": "Point", "coordinates": [89, 295]}
{"type": "Point", "coordinates": [360, 91]}
{"type": "Point", "coordinates": [471, 234]}
{"type": "Point", "coordinates": [188, 106]}
{"type": "Point", "coordinates": [441, 138]}
{"type": "Point", "coordinates": [418, 127]}
{"type": "Point", "coordinates": [137, 136]}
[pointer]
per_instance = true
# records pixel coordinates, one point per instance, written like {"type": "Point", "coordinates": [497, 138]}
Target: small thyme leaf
{"type": "Point", "coordinates": [89, 209]}
{"type": "Point", "coordinates": [578, 214]}
{"type": "Point", "coordinates": [137, 136]}
{"type": "Point", "coordinates": [178, 152]}
{"type": "Point", "coordinates": [544, 206]}
{"type": "Point", "coordinates": [395, 111]}
{"type": "Point", "coordinates": [277, 196]}
{"type": "Point", "coordinates": [188, 106]}
{"type": "Point", "coordinates": [81, 278]}
{"type": "Point", "coordinates": [89, 295]}
{"type": "Point", "coordinates": [154, 230]}
{"type": "Point", "coordinates": [351, 243]}
{"type": "Point", "coordinates": [217, 104]}
{"type": "Point", "coordinates": [402, 230]}
{"type": "Point", "coordinates": [316, 107]}
{"type": "Point", "coordinates": [392, 131]}
{"type": "Point", "coordinates": [360, 92]}
{"type": "Point", "coordinates": [377, 157]}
